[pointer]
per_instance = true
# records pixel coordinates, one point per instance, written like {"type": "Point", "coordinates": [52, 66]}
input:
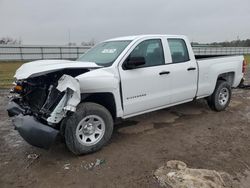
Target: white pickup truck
{"type": "Point", "coordinates": [118, 78]}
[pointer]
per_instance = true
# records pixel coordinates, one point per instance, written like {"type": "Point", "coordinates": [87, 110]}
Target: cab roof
{"type": "Point", "coordinates": [137, 37]}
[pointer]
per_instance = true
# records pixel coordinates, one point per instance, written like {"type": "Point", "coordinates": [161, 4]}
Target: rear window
{"type": "Point", "coordinates": [178, 50]}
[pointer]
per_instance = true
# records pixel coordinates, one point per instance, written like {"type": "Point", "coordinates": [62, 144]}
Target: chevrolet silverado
{"type": "Point", "coordinates": [118, 78]}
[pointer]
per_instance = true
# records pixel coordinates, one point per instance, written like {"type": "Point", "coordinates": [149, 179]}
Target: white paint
{"type": "Point", "coordinates": [40, 67]}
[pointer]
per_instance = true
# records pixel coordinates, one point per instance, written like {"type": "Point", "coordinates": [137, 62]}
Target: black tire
{"type": "Point", "coordinates": [213, 100]}
{"type": "Point", "coordinates": [84, 110]}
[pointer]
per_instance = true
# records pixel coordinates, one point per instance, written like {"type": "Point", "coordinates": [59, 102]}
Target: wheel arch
{"type": "Point", "coordinates": [105, 99]}
{"type": "Point", "coordinates": [228, 77]}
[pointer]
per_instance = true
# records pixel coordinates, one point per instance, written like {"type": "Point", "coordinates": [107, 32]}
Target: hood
{"type": "Point", "coordinates": [38, 68]}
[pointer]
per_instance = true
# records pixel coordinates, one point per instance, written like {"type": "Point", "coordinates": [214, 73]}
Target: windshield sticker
{"type": "Point", "coordinates": [109, 51]}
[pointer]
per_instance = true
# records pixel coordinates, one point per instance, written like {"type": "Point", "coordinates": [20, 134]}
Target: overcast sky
{"type": "Point", "coordinates": [51, 21]}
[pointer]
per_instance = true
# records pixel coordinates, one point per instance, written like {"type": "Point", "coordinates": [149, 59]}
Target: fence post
{"type": "Point", "coordinates": [21, 52]}
{"type": "Point", "coordinates": [77, 48]}
{"type": "Point", "coordinates": [60, 52]}
{"type": "Point", "coordinates": [42, 52]}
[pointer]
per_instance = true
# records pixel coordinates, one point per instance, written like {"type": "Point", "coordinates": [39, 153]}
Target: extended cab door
{"type": "Point", "coordinates": [183, 70]}
{"type": "Point", "coordinates": [145, 87]}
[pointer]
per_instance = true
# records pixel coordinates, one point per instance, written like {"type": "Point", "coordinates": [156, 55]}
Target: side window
{"type": "Point", "coordinates": [152, 52]}
{"type": "Point", "coordinates": [178, 50]}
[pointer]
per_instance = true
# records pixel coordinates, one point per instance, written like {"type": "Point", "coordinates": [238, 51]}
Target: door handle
{"type": "Point", "coordinates": [191, 68]}
{"type": "Point", "coordinates": [164, 72]}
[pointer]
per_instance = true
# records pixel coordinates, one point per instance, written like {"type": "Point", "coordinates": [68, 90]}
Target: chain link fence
{"type": "Point", "coordinates": [25, 53]}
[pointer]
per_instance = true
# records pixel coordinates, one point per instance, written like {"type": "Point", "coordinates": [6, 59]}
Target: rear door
{"type": "Point", "coordinates": [183, 71]}
{"type": "Point", "coordinates": [145, 87]}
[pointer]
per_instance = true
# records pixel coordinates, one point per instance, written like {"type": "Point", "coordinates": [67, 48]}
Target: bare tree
{"type": "Point", "coordinates": [9, 40]}
{"type": "Point", "coordinates": [88, 43]}
{"type": "Point", "coordinates": [71, 44]}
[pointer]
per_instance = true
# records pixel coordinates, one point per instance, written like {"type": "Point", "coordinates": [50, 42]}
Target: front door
{"type": "Point", "coordinates": [145, 87]}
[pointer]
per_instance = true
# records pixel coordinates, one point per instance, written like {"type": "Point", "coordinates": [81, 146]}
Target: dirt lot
{"type": "Point", "coordinates": [191, 133]}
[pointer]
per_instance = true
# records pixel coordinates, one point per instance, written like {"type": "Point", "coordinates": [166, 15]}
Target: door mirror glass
{"type": "Point", "coordinates": [133, 62]}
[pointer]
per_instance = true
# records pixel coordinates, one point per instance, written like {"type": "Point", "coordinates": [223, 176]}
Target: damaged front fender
{"type": "Point", "coordinates": [72, 97]}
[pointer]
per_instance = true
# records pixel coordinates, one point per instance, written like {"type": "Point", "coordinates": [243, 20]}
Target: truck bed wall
{"type": "Point", "coordinates": [210, 69]}
{"type": "Point", "coordinates": [210, 56]}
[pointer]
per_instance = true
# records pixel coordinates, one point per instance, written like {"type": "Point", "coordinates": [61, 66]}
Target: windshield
{"type": "Point", "coordinates": [105, 53]}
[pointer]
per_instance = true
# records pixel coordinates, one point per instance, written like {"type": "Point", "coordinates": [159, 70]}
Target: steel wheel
{"type": "Point", "coordinates": [223, 96]}
{"type": "Point", "coordinates": [90, 130]}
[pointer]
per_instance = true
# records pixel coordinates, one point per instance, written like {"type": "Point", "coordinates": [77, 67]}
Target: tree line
{"type": "Point", "coordinates": [234, 43]}
{"type": "Point", "coordinates": [13, 41]}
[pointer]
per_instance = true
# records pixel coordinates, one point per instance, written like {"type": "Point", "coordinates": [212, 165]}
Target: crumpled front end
{"type": "Point", "coordinates": [68, 90]}
{"type": "Point", "coordinates": [41, 104]}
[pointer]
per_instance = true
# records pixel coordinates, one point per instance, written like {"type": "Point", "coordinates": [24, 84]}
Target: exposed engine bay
{"type": "Point", "coordinates": [50, 96]}
{"type": "Point", "coordinates": [45, 92]}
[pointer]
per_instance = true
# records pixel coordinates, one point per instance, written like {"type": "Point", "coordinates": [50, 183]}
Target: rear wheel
{"type": "Point", "coordinates": [88, 129]}
{"type": "Point", "coordinates": [221, 96]}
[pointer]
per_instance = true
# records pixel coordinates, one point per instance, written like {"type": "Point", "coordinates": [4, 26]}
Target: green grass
{"type": "Point", "coordinates": [247, 57]}
{"type": "Point", "coordinates": [7, 71]}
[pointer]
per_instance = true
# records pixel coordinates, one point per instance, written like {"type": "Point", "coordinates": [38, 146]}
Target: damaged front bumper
{"type": "Point", "coordinates": [14, 109]}
{"type": "Point", "coordinates": [34, 132]}
{"type": "Point", "coordinates": [44, 134]}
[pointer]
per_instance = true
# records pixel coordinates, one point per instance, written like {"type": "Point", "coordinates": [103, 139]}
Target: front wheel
{"type": "Point", "coordinates": [221, 96]}
{"type": "Point", "coordinates": [88, 129]}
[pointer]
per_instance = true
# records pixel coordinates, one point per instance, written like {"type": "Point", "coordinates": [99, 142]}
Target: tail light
{"type": "Point", "coordinates": [244, 67]}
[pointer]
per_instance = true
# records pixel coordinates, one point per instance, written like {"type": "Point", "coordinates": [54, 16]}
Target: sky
{"type": "Point", "coordinates": [63, 21]}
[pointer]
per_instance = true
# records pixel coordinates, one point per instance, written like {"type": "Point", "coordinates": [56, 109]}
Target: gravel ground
{"type": "Point", "coordinates": [191, 133]}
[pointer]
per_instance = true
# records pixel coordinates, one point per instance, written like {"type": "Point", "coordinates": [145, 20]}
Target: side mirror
{"type": "Point", "coordinates": [133, 62]}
